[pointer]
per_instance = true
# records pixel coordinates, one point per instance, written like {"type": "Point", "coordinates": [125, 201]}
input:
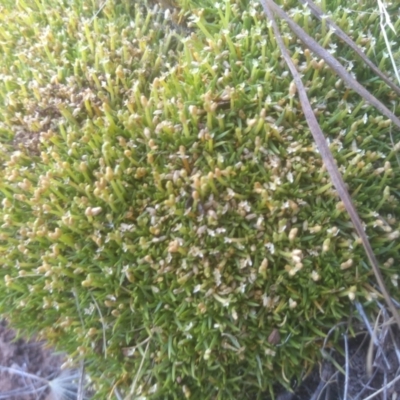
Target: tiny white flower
{"type": "Point", "coordinates": [207, 354]}
{"type": "Point", "coordinates": [197, 288]}
{"type": "Point", "coordinates": [270, 247]}
{"type": "Point", "coordinates": [315, 276]}
{"type": "Point", "coordinates": [292, 303]}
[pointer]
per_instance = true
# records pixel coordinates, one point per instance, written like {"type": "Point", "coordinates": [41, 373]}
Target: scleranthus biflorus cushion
{"type": "Point", "coordinates": [165, 213]}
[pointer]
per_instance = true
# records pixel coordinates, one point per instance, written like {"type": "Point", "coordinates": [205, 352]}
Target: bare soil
{"type": "Point", "coordinates": [28, 367]}
{"type": "Point", "coordinates": [369, 373]}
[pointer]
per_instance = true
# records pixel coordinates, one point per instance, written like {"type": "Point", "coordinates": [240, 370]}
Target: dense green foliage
{"type": "Point", "coordinates": [164, 210]}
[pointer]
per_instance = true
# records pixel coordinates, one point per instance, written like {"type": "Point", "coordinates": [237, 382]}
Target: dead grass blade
{"type": "Point", "coordinates": [319, 137]}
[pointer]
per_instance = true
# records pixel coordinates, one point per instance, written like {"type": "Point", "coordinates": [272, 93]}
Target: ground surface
{"type": "Point", "coordinates": [325, 383]}
{"type": "Point", "coordinates": [28, 370]}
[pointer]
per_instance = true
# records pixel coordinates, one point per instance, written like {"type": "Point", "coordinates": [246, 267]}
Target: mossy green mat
{"type": "Point", "coordinates": [165, 214]}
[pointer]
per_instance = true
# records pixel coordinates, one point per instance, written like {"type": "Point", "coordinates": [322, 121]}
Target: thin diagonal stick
{"type": "Point", "coordinates": [346, 377]}
{"type": "Point", "coordinates": [81, 363]}
{"type": "Point", "coordinates": [373, 395]}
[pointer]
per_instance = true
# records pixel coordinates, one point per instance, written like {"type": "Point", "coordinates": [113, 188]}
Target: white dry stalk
{"type": "Point", "coordinates": [102, 325]}
{"type": "Point", "coordinates": [384, 22]}
{"type": "Point", "coordinates": [133, 387]}
{"type": "Point", "coordinates": [98, 11]}
{"type": "Point", "coordinates": [81, 363]}
{"type": "Point", "coordinates": [370, 353]}
{"type": "Point", "coordinates": [387, 386]}
{"type": "Point", "coordinates": [346, 378]}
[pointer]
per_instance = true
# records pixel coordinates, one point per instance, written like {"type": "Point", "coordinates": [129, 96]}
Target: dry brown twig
{"type": "Point", "coordinates": [270, 9]}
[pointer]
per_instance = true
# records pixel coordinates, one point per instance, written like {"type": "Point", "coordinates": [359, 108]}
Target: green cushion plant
{"type": "Point", "coordinates": [165, 214]}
